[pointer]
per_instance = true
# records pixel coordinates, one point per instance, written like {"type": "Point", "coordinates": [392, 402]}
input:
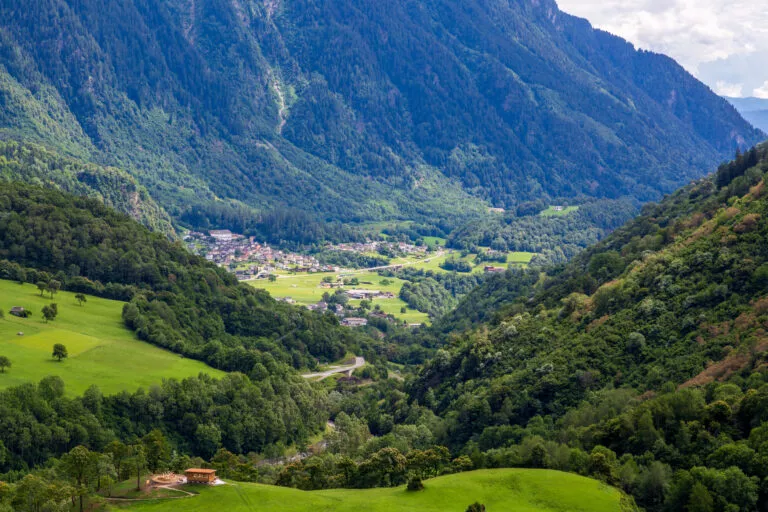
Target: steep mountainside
{"type": "Point", "coordinates": [356, 110]}
{"type": "Point", "coordinates": [658, 301]}
{"type": "Point", "coordinates": [651, 344]}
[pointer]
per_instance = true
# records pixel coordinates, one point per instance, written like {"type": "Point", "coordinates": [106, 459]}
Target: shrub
{"type": "Point", "coordinates": [415, 484]}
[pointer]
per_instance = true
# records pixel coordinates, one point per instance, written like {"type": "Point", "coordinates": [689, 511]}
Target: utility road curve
{"type": "Point", "coordinates": [359, 362]}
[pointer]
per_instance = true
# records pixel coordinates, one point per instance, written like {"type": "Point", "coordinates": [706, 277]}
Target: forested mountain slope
{"type": "Point", "coordinates": [355, 110]}
{"type": "Point", "coordinates": [117, 189]}
{"type": "Point", "coordinates": [652, 343]}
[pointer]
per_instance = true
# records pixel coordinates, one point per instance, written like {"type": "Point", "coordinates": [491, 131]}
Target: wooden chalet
{"type": "Point", "coordinates": [200, 476]}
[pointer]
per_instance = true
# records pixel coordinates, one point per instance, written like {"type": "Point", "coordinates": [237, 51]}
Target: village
{"type": "Point", "coordinates": [354, 295]}
{"type": "Point", "coordinates": [247, 258]}
{"type": "Point", "coordinates": [381, 247]}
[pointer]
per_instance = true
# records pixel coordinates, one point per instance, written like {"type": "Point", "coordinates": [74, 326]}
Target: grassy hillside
{"type": "Point", "coordinates": [506, 489]}
{"type": "Point", "coordinates": [102, 351]}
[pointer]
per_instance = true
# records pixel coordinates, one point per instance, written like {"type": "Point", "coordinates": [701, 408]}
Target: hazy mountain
{"type": "Point", "coordinates": [754, 110]}
{"type": "Point", "coordinates": [356, 110]}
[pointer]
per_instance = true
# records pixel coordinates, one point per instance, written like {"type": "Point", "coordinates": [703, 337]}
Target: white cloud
{"type": "Point", "coordinates": [725, 89]}
{"type": "Point", "coordinates": [703, 35]}
{"type": "Point", "coordinates": [761, 92]}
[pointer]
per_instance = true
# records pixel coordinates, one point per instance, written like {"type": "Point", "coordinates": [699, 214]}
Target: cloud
{"type": "Point", "coordinates": [725, 89]}
{"type": "Point", "coordinates": [761, 92]}
{"type": "Point", "coordinates": [699, 34]}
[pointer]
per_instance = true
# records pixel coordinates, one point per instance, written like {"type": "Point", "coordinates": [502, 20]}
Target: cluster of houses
{"type": "Point", "coordinates": [369, 294]}
{"type": "Point", "coordinates": [232, 250]}
{"type": "Point", "coordinates": [372, 247]}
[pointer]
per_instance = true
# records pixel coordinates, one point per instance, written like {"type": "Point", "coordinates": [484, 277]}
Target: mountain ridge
{"type": "Point", "coordinates": [357, 112]}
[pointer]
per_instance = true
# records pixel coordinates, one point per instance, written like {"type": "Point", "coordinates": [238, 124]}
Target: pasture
{"type": "Point", "coordinates": [102, 351]}
{"type": "Point", "coordinates": [519, 490]}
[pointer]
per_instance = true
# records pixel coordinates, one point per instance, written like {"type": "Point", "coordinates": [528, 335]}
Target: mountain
{"type": "Point", "coordinates": [649, 348]}
{"type": "Point", "coordinates": [355, 110]}
{"type": "Point", "coordinates": [754, 110]}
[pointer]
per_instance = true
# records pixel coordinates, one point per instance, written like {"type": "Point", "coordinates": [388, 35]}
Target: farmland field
{"type": "Point", "coordinates": [306, 289]}
{"type": "Point", "coordinates": [102, 351]}
{"type": "Point", "coordinates": [519, 490]}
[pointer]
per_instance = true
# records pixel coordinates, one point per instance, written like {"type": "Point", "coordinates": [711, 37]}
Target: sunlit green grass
{"type": "Point", "coordinates": [102, 351]}
{"type": "Point", "coordinates": [509, 490]}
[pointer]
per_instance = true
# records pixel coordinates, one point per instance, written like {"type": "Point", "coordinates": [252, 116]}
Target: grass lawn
{"type": "Point", "coordinates": [518, 490]}
{"type": "Point", "coordinates": [102, 350]}
{"type": "Point", "coordinates": [551, 212]}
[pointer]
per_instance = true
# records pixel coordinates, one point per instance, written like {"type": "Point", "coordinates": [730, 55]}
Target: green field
{"type": "Point", "coordinates": [518, 490]}
{"type": "Point", "coordinates": [102, 350]}
{"type": "Point", "coordinates": [552, 212]}
{"type": "Point", "coordinates": [306, 289]}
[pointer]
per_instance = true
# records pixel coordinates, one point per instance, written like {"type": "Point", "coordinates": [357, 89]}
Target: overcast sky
{"type": "Point", "coordinates": [723, 42]}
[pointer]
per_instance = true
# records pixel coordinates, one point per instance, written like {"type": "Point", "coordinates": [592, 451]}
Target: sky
{"type": "Point", "coordinates": [724, 43]}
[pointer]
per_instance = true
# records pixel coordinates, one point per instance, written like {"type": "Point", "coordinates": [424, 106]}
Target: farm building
{"type": "Point", "coordinates": [354, 322]}
{"type": "Point", "coordinates": [200, 476]}
{"type": "Point", "coordinates": [18, 311]}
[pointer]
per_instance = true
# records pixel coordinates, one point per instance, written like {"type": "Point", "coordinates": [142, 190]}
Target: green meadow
{"type": "Point", "coordinates": [306, 289]}
{"type": "Point", "coordinates": [102, 351]}
{"type": "Point", "coordinates": [518, 490]}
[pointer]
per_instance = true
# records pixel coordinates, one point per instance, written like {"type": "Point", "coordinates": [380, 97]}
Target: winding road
{"type": "Point", "coordinates": [359, 362]}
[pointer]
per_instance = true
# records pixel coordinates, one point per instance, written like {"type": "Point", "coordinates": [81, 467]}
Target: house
{"type": "Point", "coordinates": [363, 294]}
{"type": "Point", "coordinates": [355, 322]}
{"type": "Point", "coordinates": [200, 476]}
{"type": "Point", "coordinates": [18, 311]}
{"type": "Point", "coordinates": [494, 270]}
{"type": "Point", "coordinates": [221, 235]}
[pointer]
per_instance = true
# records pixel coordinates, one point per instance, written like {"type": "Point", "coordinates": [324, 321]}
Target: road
{"type": "Point", "coordinates": [359, 362]}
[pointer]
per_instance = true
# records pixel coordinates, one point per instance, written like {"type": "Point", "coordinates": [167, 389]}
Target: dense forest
{"type": "Point", "coordinates": [648, 349]}
{"type": "Point", "coordinates": [30, 163]}
{"type": "Point", "coordinates": [349, 111]}
{"type": "Point", "coordinates": [555, 239]}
